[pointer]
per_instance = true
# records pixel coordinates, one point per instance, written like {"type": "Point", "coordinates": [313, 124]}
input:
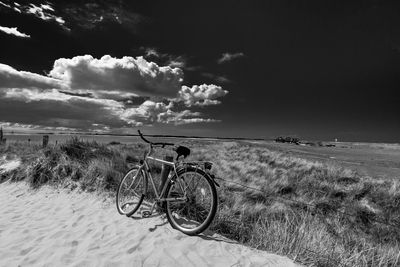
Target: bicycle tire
{"type": "Point", "coordinates": [137, 197]}
{"type": "Point", "coordinates": [191, 203]}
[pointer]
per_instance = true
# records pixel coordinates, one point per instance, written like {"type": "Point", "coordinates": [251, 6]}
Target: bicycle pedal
{"type": "Point", "coordinates": [146, 214]}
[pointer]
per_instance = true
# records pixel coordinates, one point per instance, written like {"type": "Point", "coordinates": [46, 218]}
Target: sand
{"type": "Point", "coordinates": [56, 227]}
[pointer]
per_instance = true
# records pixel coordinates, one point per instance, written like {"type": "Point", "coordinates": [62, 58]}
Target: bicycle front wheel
{"type": "Point", "coordinates": [131, 192]}
{"type": "Point", "coordinates": [191, 201]}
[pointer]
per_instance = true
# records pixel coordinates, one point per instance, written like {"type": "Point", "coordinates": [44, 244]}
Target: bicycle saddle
{"type": "Point", "coordinates": [182, 151]}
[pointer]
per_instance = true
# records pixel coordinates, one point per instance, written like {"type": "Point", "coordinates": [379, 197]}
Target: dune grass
{"type": "Point", "coordinates": [317, 214]}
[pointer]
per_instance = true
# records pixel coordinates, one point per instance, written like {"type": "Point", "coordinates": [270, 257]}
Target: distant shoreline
{"type": "Point", "coordinates": [191, 137]}
{"type": "Point", "coordinates": [150, 135]}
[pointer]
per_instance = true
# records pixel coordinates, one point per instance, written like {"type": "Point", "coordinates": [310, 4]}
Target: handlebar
{"type": "Point", "coordinates": [154, 144]}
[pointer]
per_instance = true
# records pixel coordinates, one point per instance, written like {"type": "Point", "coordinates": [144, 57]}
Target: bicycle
{"type": "Point", "coordinates": [188, 197]}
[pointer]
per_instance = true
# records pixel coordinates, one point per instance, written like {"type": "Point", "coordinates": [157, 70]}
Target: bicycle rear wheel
{"type": "Point", "coordinates": [131, 192]}
{"type": "Point", "coordinates": [195, 202]}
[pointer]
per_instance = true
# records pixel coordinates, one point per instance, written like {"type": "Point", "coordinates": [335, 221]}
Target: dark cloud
{"type": "Point", "coordinates": [216, 78]}
{"type": "Point", "coordinates": [53, 109]}
{"type": "Point", "coordinates": [174, 61]}
{"type": "Point", "coordinates": [91, 14]}
{"type": "Point", "coordinates": [12, 78]}
{"type": "Point", "coordinates": [226, 57]}
{"type": "Point", "coordinates": [77, 94]}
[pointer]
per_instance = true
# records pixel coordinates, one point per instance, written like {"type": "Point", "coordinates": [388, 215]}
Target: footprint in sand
{"type": "Point", "coordinates": [25, 251]}
{"type": "Point", "coordinates": [132, 249]}
{"type": "Point", "coordinates": [79, 218]}
{"type": "Point", "coordinates": [58, 233]}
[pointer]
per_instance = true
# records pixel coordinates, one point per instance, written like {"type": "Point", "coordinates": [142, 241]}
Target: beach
{"type": "Point", "coordinates": [60, 227]}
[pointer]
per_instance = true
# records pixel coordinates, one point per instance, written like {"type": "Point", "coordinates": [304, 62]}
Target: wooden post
{"type": "Point", "coordinates": [2, 139]}
{"type": "Point", "coordinates": [45, 140]}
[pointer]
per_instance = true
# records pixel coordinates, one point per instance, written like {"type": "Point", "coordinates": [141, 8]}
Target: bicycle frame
{"type": "Point", "coordinates": [146, 170]}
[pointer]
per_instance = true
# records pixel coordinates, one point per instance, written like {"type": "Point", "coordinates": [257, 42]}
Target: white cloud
{"type": "Point", "coordinates": [44, 12]}
{"type": "Point", "coordinates": [3, 4]}
{"type": "Point", "coordinates": [151, 112]}
{"type": "Point", "coordinates": [47, 7]}
{"type": "Point", "coordinates": [226, 57]}
{"type": "Point", "coordinates": [182, 117]}
{"type": "Point", "coordinates": [137, 76]}
{"type": "Point", "coordinates": [201, 95]}
{"type": "Point", "coordinates": [177, 63]}
{"type": "Point", "coordinates": [14, 31]}
{"type": "Point", "coordinates": [145, 113]}
{"type": "Point", "coordinates": [87, 93]}
{"type": "Point", "coordinates": [12, 78]}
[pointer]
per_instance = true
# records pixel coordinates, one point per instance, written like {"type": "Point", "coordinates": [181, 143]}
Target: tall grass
{"type": "Point", "coordinates": [318, 214]}
{"type": "Point", "coordinates": [304, 207]}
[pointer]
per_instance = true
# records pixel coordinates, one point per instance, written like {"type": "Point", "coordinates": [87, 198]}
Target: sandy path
{"type": "Point", "coordinates": [52, 227]}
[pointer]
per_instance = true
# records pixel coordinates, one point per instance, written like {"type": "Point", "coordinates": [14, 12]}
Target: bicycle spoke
{"type": "Point", "coordinates": [193, 215]}
{"type": "Point", "coordinates": [130, 192]}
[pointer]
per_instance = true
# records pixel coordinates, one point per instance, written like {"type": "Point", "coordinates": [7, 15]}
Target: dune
{"type": "Point", "coordinates": [59, 227]}
{"type": "Point", "coordinates": [8, 165]}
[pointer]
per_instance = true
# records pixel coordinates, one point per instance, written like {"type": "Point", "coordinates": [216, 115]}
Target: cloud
{"type": "Point", "coordinates": [166, 59]}
{"type": "Point", "coordinates": [87, 94]}
{"type": "Point", "coordinates": [126, 74]}
{"type": "Point", "coordinates": [183, 117]}
{"type": "Point", "coordinates": [152, 52]}
{"type": "Point", "coordinates": [145, 113]}
{"type": "Point", "coordinates": [56, 110]}
{"type": "Point", "coordinates": [43, 11]}
{"type": "Point", "coordinates": [51, 108]}
{"type": "Point", "coordinates": [226, 57]}
{"type": "Point", "coordinates": [217, 78]}
{"type": "Point", "coordinates": [90, 14]}
{"type": "Point", "coordinates": [178, 62]}
{"type": "Point", "coordinates": [14, 31]}
{"type": "Point", "coordinates": [3, 4]}
{"type": "Point", "coordinates": [158, 112]}
{"type": "Point", "coordinates": [12, 78]}
{"type": "Point", "coordinates": [201, 95]}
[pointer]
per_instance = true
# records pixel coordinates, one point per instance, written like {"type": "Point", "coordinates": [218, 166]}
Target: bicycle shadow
{"type": "Point", "coordinates": [206, 235]}
{"type": "Point", "coordinates": [145, 207]}
{"type": "Point", "coordinates": [213, 236]}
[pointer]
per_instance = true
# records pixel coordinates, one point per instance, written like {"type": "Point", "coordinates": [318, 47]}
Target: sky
{"type": "Point", "coordinates": [317, 70]}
